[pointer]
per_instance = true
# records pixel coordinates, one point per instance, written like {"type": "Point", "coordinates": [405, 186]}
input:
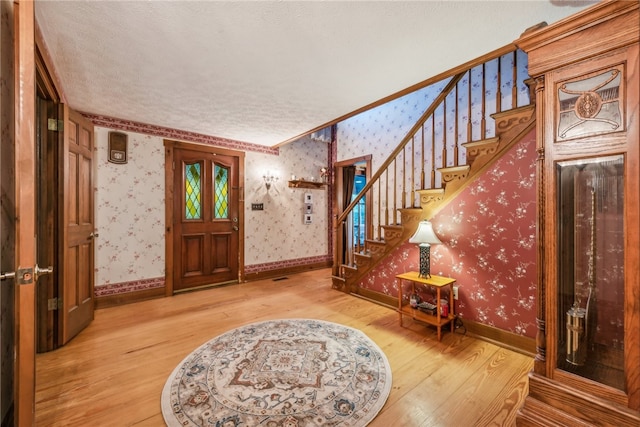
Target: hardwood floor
{"type": "Point", "coordinates": [113, 372]}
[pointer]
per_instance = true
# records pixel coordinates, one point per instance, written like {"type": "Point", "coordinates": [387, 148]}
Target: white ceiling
{"type": "Point", "coordinates": [265, 72]}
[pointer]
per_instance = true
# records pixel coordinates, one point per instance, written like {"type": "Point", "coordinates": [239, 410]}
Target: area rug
{"type": "Point", "coordinates": [281, 373]}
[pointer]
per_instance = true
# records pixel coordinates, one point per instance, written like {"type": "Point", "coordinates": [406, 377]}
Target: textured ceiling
{"type": "Point", "coordinates": [265, 72]}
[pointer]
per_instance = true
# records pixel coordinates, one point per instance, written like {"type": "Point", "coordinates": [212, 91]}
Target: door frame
{"type": "Point", "coordinates": [339, 193]}
{"type": "Point", "coordinates": [169, 167]}
{"type": "Point", "coordinates": [25, 352]}
{"type": "Point", "coordinates": [50, 144]}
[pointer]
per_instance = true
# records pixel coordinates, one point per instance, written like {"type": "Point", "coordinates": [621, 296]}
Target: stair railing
{"type": "Point", "coordinates": [434, 143]}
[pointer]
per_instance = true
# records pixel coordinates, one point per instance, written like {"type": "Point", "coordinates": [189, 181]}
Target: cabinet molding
{"type": "Point", "coordinates": [587, 74]}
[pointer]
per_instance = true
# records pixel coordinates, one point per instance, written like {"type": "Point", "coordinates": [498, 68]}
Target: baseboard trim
{"type": "Point", "coordinates": [279, 272]}
{"type": "Point", "coordinates": [502, 338]}
{"type": "Point", "coordinates": [377, 297]}
{"type": "Point", "coordinates": [128, 297]}
{"type": "Point", "coordinates": [506, 339]}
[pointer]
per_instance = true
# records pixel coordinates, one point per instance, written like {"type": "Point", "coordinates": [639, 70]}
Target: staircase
{"type": "Point", "coordinates": [485, 107]}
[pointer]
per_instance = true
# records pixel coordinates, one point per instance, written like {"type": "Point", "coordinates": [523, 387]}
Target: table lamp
{"type": "Point", "coordinates": [425, 237]}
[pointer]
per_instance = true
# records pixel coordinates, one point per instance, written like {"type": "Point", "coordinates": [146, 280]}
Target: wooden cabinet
{"type": "Point", "coordinates": [587, 366]}
{"type": "Point", "coordinates": [439, 318]}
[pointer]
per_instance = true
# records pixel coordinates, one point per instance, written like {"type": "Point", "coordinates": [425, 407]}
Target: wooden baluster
{"type": "Point", "coordinates": [499, 87]}
{"type": "Point", "coordinates": [433, 151]}
{"type": "Point", "coordinates": [352, 233]}
{"type": "Point", "coordinates": [445, 159]}
{"type": "Point", "coordinates": [469, 125]}
{"type": "Point", "coordinates": [368, 217]}
{"type": "Point", "coordinates": [386, 197]}
{"type": "Point", "coordinates": [379, 208]}
{"type": "Point", "coordinates": [413, 170]}
{"type": "Point", "coordinates": [483, 123]}
{"type": "Point", "coordinates": [340, 255]}
{"type": "Point", "coordinates": [422, 177]}
{"type": "Point", "coordinates": [404, 177]}
{"type": "Point", "coordinates": [444, 134]}
{"type": "Point", "coordinates": [455, 130]}
{"type": "Point", "coordinates": [514, 81]}
{"type": "Point", "coordinates": [395, 188]}
{"type": "Point", "coordinates": [347, 248]}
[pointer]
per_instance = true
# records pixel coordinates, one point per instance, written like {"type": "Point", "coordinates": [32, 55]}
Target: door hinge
{"type": "Point", "coordinates": [54, 304]}
{"type": "Point", "coordinates": [55, 125]}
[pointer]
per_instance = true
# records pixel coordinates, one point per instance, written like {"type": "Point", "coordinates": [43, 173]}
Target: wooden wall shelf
{"type": "Point", "coordinates": [306, 184]}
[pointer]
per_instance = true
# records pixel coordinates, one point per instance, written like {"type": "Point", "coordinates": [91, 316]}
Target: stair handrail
{"type": "Point", "coordinates": [403, 143]}
{"type": "Point", "coordinates": [352, 258]}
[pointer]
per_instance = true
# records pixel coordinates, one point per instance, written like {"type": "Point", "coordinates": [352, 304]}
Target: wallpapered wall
{"type": "Point", "coordinates": [130, 251]}
{"type": "Point", "coordinates": [278, 233]}
{"type": "Point", "coordinates": [379, 131]}
{"type": "Point", "coordinates": [488, 231]}
{"type": "Point", "coordinates": [489, 247]}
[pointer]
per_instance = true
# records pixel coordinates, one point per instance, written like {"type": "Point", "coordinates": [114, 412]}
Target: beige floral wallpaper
{"type": "Point", "coordinates": [129, 206]}
{"type": "Point", "coordinates": [130, 249]}
{"type": "Point", "coordinates": [279, 234]}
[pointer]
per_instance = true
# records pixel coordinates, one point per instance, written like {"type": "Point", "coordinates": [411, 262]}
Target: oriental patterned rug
{"type": "Point", "coordinates": [281, 373]}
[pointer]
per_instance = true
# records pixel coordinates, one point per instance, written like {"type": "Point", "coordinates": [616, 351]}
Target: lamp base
{"type": "Point", "coordinates": [425, 261]}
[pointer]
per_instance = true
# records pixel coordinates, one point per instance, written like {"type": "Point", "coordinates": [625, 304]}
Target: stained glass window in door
{"type": "Point", "coordinates": [193, 190]}
{"type": "Point", "coordinates": [221, 192]}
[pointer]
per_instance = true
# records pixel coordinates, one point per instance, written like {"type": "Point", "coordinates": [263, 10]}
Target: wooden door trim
{"type": "Point", "coordinates": [24, 50]}
{"type": "Point", "coordinates": [169, 174]}
{"type": "Point", "coordinates": [47, 89]}
{"type": "Point", "coordinates": [339, 193]}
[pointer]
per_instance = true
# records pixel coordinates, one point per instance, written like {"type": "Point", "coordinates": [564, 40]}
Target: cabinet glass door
{"type": "Point", "coordinates": [591, 269]}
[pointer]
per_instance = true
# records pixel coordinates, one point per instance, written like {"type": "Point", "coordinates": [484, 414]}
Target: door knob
{"type": "Point", "coordinates": [26, 273]}
{"type": "Point", "coordinates": [235, 228]}
{"type": "Point", "coordinates": [38, 271]}
{"type": "Point", "coordinates": [92, 235]}
{"type": "Point", "coordinates": [8, 275]}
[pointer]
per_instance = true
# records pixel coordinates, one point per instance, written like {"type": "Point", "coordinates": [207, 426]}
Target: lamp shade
{"type": "Point", "coordinates": [425, 234]}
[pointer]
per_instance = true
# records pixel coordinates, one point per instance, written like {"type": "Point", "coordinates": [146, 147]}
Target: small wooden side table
{"type": "Point", "coordinates": [437, 282]}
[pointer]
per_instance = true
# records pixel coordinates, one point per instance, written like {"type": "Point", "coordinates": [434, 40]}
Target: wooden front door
{"type": "Point", "coordinates": [77, 240]}
{"type": "Point", "coordinates": [206, 217]}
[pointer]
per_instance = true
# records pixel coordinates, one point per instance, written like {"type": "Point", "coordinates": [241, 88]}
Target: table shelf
{"type": "Point", "coordinates": [434, 281]}
{"type": "Point", "coordinates": [432, 319]}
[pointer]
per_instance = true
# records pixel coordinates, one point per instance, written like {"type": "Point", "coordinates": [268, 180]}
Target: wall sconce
{"type": "Point", "coordinates": [269, 179]}
{"type": "Point", "coordinates": [425, 237]}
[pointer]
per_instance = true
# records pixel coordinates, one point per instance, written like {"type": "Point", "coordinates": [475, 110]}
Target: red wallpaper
{"type": "Point", "coordinates": [489, 246]}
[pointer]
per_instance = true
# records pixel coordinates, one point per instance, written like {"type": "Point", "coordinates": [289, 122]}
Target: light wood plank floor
{"type": "Point", "coordinates": [113, 372]}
